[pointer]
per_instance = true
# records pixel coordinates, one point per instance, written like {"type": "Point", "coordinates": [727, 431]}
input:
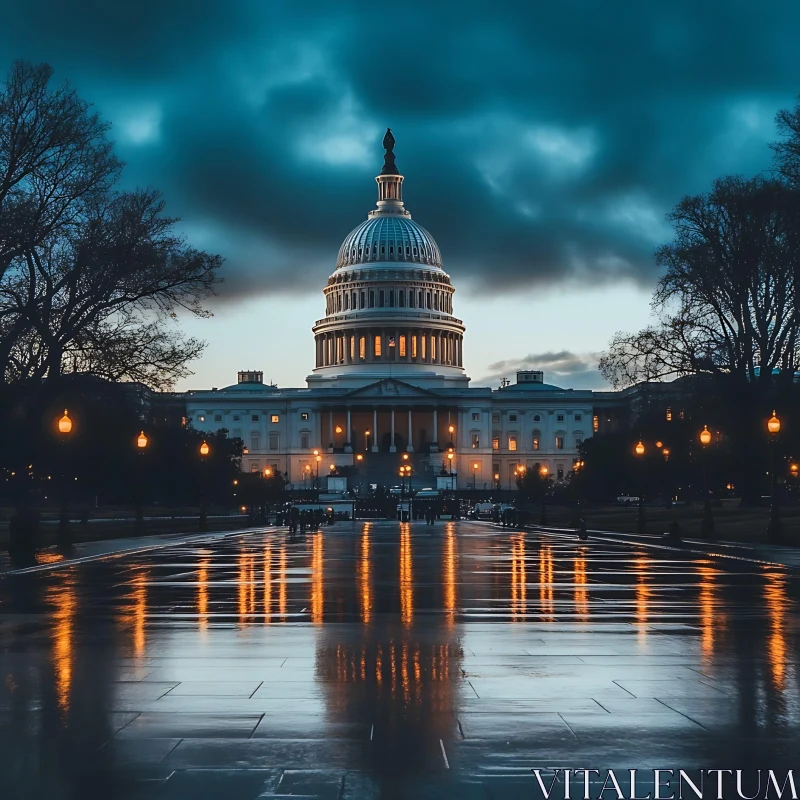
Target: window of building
{"type": "Point", "coordinates": [235, 417]}
{"type": "Point", "coordinates": [371, 298]}
{"type": "Point", "coordinates": [402, 347]}
{"type": "Point", "coordinates": [495, 418]}
{"type": "Point", "coordinates": [423, 341]}
{"type": "Point", "coordinates": [377, 346]}
{"type": "Point", "coordinates": [433, 348]}
{"type": "Point", "coordinates": [476, 441]}
{"type": "Point", "coordinates": [536, 442]}
{"type": "Point", "coordinates": [537, 417]}
{"type": "Point", "coordinates": [255, 441]}
{"type": "Point", "coordinates": [578, 439]}
{"type": "Point", "coordinates": [495, 443]}
{"type": "Point", "coordinates": [476, 417]}
{"type": "Point", "coordinates": [217, 417]}
{"type": "Point", "coordinates": [381, 298]}
{"type": "Point", "coordinates": [512, 417]}
{"type": "Point", "coordinates": [201, 418]}
{"type": "Point", "coordinates": [274, 441]}
{"type": "Point", "coordinates": [512, 442]}
{"type": "Point", "coordinates": [560, 472]}
{"type": "Point", "coordinates": [578, 418]}
{"type": "Point", "coordinates": [255, 466]}
{"type": "Point", "coordinates": [559, 417]}
{"type": "Point", "coordinates": [362, 347]}
{"type": "Point", "coordinates": [595, 423]}
{"type": "Point", "coordinates": [304, 416]}
{"type": "Point", "coordinates": [275, 418]}
{"type": "Point", "coordinates": [413, 344]}
{"type": "Point", "coordinates": [304, 440]}
{"type": "Point", "coordinates": [401, 299]}
{"type": "Point", "coordinates": [559, 442]}
{"type": "Point", "coordinates": [254, 418]}
{"type": "Point", "coordinates": [352, 348]}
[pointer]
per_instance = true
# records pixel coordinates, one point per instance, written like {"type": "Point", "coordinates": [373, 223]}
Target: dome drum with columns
{"type": "Point", "coordinates": [389, 303]}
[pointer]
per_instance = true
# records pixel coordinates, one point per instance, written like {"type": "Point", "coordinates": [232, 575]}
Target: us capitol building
{"type": "Point", "coordinates": [389, 379]}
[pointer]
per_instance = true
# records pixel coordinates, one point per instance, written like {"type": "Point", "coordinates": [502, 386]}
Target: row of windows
{"type": "Point", "coordinates": [372, 252]}
{"type": "Point", "coordinates": [274, 418]}
{"type": "Point", "coordinates": [512, 470]}
{"type": "Point", "coordinates": [334, 347]}
{"type": "Point", "coordinates": [389, 298]}
{"type": "Point", "coordinates": [536, 441]}
{"type": "Point", "coordinates": [536, 417]}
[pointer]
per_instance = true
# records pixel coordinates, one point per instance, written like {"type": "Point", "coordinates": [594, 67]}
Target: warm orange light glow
{"type": "Point", "coordinates": [705, 436]}
{"type": "Point", "coordinates": [317, 579]}
{"type": "Point", "coordinates": [235, 482]}
{"type": "Point", "coordinates": [319, 458]}
{"type": "Point", "coordinates": [476, 466]}
{"type": "Point", "coordinates": [450, 456]}
{"type": "Point", "coordinates": [666, 451]}
{"type": "Point", "coordinates": [519, 582]}
{"type": "Point", "coordinates": [316, 452]}
{"type": "Point", "coordinates": [308, 467]}
{"type": "Point", "coordinates": [659, 445]}
{"type": "Point", "coordinates": [267, 472]}
{"type": "Point", "coordinates": [204, 448]}
{"type": "Point", "coordinates": [639, 449]}
{"type": "Point", "coordinates": [338, 429]}
{"type": "Point", "coordinates": [452, 429]}
{"type": "Point", "coordinates": [543, 470]}
{"type": "Point", "coordinates": [332, 467]}
{"type": "Point", "coordinates": [359, 457]}
{"type": "Point", "coordinates": [141, 441]}
{"type": "Point", "coordinates": [773, 424]}
{"type": "Point", "coordinates": [65, 423]}
{"type": "Point", "coordinates": [520, 469]}
{"type": "Point", "coordinates": [497, 476]}
{"type": "Point", "coordinates": [405, 456]}
{"type": "Point", "coordinates": [406, 576]}
{"type": "Point", "coordinates": [794, 469]}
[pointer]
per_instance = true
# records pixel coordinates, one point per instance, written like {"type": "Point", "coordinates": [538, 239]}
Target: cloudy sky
{"type": "Point", "coordinates": [542, 144]}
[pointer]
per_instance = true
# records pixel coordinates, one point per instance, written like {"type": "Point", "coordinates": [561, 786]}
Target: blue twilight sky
{"type": "Point", "coordinates": [542, 144]}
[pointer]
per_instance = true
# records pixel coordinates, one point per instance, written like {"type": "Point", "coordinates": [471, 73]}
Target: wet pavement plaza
{"type": "Point", "coordinates": [380, 660]}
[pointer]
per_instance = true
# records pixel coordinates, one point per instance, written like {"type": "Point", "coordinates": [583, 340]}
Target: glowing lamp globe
{"type": "Point", "coordinates": [65, 423]}
{"type": "Point", "coordinates": [639, 449]}
{"type": "Point", "coordinates": [204, 449]}
{"type": "Point", "coordinates": [774, 424]}
{"type": "Point", "coordinates": [705, 436]}
{"type": "Point", "coordinates": [141, 441]}
{"type": "Point", "coordinates": [543, 470]}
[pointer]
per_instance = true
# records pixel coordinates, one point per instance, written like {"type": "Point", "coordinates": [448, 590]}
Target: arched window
{"type": "Point", "coordinates": [536, 440]}
{"type": "Point", "coordinates": [537, 417]}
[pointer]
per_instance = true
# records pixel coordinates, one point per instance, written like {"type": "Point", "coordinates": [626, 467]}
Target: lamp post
{"type": "Point", "coordinates": [497, 481]}
{"type": "Point", "coordinates": [366, 440]}
{"type": "Point", "coordinates": [317, 458]}
{"type": "Point", "coordinates": [451, 430]}
{"type": "Point", "coordinates": [641, 521]}
{"type": "Point", "coordinates": [544, 472]}
{"type": "Point", "coordinates": [450, 457]}
{"type": "Point", "coordinates": [141, 446]}
{"type": "Point", "coordinates": [774, 529]}
{"type": "Point", "coordinates": [63, 535]}
{"type": "Point", "coordinates": [707, 524]}
{"type": "Point", "coordinates": [204, 451]}
{"type": "Point", "coordinates": [475, 467]}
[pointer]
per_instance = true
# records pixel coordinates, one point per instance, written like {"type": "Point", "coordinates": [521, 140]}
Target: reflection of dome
{"type": "Point", "coordinates": [389, 239]}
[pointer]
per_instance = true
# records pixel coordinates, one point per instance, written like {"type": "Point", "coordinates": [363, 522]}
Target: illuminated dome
{"type": "Point", "coordinates": [389, 303]}
{"type": "Point", "coordinates": [390, 238]}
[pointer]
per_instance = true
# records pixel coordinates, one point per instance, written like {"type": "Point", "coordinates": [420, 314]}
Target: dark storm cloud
{"type": "Point", "coordinates": [541, 143]}
{"type": "Point", "coordinates": [577, 370]}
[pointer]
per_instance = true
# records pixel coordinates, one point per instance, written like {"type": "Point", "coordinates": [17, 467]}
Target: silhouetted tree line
{"type": "Point", "coordinates": [91, 278]}
{"type": "Point", "coordinates": [99, 460]}
{"type": "Point", "coordinates": [728, 308]}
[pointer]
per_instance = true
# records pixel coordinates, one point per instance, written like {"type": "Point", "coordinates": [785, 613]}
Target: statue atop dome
{"type": "Point", "coordinates": [389, 167]}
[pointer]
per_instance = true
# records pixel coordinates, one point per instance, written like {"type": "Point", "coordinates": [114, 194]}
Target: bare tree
{"type": "Point", "coordinates": [727, 302]}
{"type": "Point", "coordinates": [90, 279]}
{"type": "Point", "coordinates": [787, 150]}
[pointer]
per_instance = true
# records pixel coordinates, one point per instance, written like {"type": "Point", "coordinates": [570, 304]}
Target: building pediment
{"type": "Point", "coordinates": [389, 387]}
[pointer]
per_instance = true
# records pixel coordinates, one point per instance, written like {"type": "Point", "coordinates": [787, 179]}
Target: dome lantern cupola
{"type": "Point", "coordinates": [390, 183]}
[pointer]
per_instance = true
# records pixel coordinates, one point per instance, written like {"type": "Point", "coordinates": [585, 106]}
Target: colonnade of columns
{"type": "Point", "coordinates": [416, 346]}
{"type": "Point", "coordinates": [398, 419]}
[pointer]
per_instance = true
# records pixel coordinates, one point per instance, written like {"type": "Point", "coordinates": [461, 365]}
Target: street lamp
{"type": "Point", "coordinates": [141, 445]}
{"type": "Point", "coordinates": [451, 430]}
{"type": "Point", "coordinates": [707, 524]}
{"type": "Point", "coordinates": [641, 522]}
{"type": "Point", "coordinates": [204, 451]}
{"type": "Point", "coordinates": [360, 457]}
{"type": "Point", "coordinates": [475, 467]}
{"type": "Point", "coordinates": [774, 528]}
{"type": "Point", "coordinates": [366, 439]}
{"type": "Point", "coordinates": [544, 472]}
{"type": "Point", "coordinates": [64, 428]}
{"type": "Point", "coordinates": [317, 458]}
{"type": "Point", "coordinates": [497, 480]}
